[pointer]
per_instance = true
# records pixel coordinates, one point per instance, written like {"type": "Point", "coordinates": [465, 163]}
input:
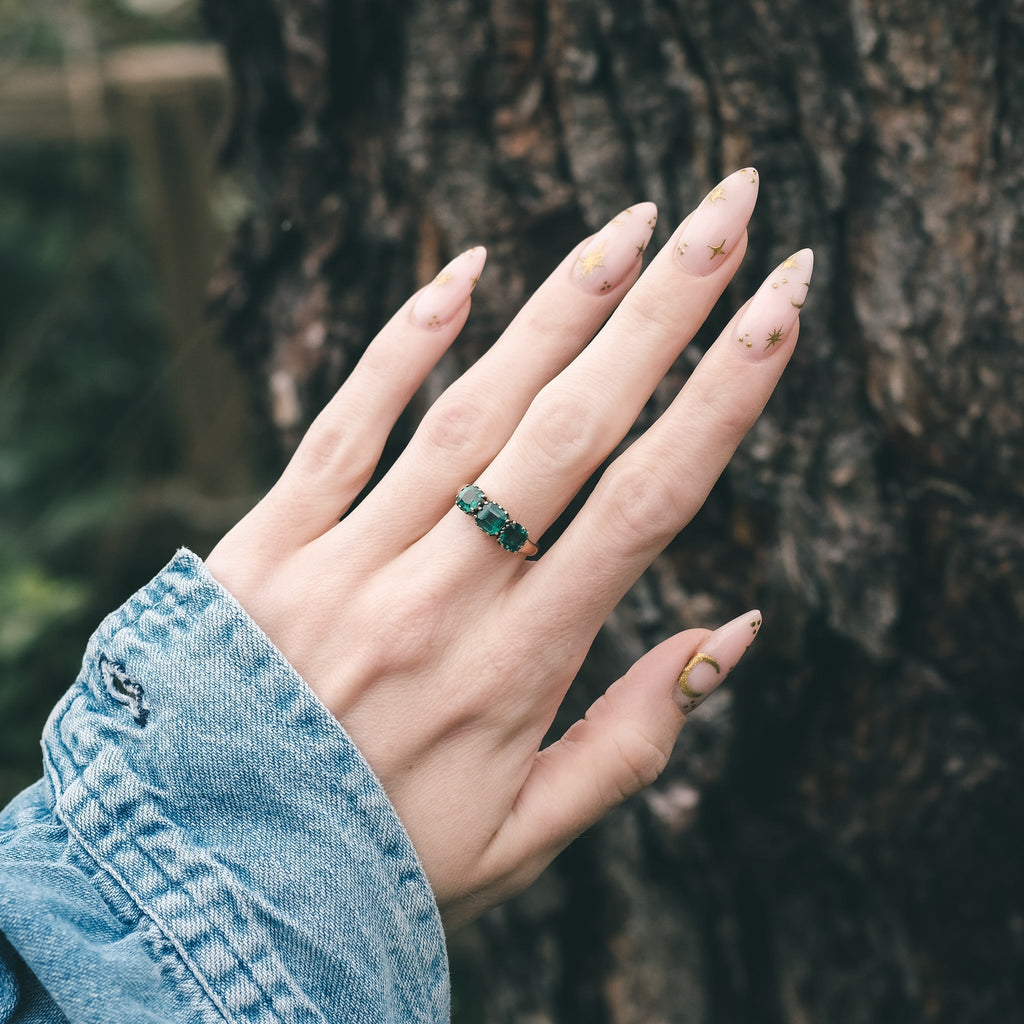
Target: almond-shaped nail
{"type": "Point", "coordinates": [715, 660]}
{"type": "Point", "coordinates": [717, 224]}
{"type": "Point", "coordinates": [767, 321]}
{"type": "Point", "coordinates": [447, 293]}
{"type": "Point", "coordinates": [606, 259]}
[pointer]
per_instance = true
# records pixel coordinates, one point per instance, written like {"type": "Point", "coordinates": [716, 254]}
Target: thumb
{"type": "Point", "coordinates": [623, 743]}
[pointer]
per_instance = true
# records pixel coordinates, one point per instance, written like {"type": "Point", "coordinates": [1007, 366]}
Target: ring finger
{"type": "Point", "coordinates": [476, 415]}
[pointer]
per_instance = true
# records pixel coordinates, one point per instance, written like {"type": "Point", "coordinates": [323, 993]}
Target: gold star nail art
{"type": "Point", "coordinates": [607, 258]}
{"type": "Point", "coordinates": [449, 290]}
{"type": "Point", "coordinates": [590, 261]}
{"type": "Point", "coordinates": [717, 225]}
{"type": "Point", "coordinates": [790, 263]}
{"type": "Point", "coordinates": [766, 325]}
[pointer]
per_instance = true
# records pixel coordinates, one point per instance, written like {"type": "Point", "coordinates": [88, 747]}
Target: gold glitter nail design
{"type": "Point", "coordinates": [717, 225]}
{"type": "Point", "coordinates": [768, 320]}
{"type": "Point", "coordinates": [440, 300]}
{"type": "Point", "coordinates": [612, 254]}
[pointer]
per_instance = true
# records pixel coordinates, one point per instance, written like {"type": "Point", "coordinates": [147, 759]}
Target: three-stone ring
{"type": "Point", "coordinates": [494, 520]}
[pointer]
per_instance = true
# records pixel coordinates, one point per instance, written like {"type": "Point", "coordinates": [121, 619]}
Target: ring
{"type": "Point", "coordinates": [494, 520]}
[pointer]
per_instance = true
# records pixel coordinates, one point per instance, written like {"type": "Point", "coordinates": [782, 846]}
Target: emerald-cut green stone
{"type": "Point", "coordinates": [513, 536]}
{"type": "Point", "coordinates": [469, 498]}
{"type": "Point", "coordinates": [491, 518]}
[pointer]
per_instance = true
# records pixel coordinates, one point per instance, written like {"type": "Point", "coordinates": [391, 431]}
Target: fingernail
{"type": "Point", "coordinates": [608, 257]}
{"type": "Point", "coordinates": [715, 660]}
{"type": "Point", "coordinates": [717, 224]}
{"type": "Point", "coordinates": [448, 292]}
{"type": "Point", "coordinates": [767, 321]}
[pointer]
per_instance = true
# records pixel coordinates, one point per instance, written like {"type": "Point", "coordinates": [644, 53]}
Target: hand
{"type": "Point", "coordinates": [445, 656]}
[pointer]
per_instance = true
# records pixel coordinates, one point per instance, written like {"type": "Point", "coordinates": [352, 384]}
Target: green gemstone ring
{"type": "Point", "coordinates": [494, 520]}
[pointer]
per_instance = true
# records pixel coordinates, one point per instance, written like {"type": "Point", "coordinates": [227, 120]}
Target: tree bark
{"type": "Point", "coordinates": [837, 838]}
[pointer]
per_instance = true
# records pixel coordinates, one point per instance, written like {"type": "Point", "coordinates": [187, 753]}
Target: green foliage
{"type": "Point", "coordinates": [87, 413]}
{"type": "Point", "coordinates": [82, 423]}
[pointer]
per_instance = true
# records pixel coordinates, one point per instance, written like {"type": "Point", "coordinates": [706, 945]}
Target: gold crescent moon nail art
{"type": "Point", "coordinates": [684, 679]}
{"type": "Point", "coordinates": [707, 668]}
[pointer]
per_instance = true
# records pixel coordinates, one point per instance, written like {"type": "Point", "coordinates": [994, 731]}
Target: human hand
{"type": "Point", "coordinates": [445, 656]}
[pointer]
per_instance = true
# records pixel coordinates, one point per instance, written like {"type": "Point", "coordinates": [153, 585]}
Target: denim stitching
{"type": "Point", "coordinates": [125, 690]}
{"type": "Point", "coordinates": [155, 617]}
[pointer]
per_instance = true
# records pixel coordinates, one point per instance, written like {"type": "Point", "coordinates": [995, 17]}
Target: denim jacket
{"type": "Point", "coordinates": [206, 843]}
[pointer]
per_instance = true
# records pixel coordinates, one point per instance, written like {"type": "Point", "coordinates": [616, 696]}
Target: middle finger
{"type": "Point", "coordinates": [578, 418]}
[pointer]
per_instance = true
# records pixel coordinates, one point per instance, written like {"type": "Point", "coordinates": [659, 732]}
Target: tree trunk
{"type": "Point", "coordinates": [837, 838]}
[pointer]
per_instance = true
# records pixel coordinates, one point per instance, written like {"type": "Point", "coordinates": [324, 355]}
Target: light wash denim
{"type": "Point", "coordinates": [207, 844]}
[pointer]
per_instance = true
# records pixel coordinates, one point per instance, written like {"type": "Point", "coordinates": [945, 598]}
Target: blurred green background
{"type": "Point", "coordinates": [124, 430]}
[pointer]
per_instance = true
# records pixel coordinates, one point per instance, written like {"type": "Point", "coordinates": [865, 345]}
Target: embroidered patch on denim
{"type": "Point", "coordinates": [125, 690]}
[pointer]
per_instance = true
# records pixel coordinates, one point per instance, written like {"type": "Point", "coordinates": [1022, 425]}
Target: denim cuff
{"type": "Point", "coordinates": [245, 858]}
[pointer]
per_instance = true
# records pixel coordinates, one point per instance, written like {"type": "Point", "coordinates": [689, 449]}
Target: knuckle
{"type": "Point", "coordinates": [643, 761]}
{"type": "Point", "coordinates": [337, 447]}
{"type": "Point", "coordinates": [456, 422]}
{"type": "Point", "coordinates": [642, 509]}
{"type": "Point", "coordinates": [650, 318]}
{"type": "Point", "coordinates": [721, 409]}
{"type": "Point", "coordinates": [562, 426]}
{"type": "Point", "coordinates": [556, 323]}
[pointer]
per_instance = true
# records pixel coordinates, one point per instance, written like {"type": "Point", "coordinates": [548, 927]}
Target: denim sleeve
{"type": "Point", "coordinates": [207, 844]}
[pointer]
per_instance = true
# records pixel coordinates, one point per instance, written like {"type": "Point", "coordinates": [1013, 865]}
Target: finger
{"type": "Point", "coordinates": [655, 487]}
{"type": "Point", "coordinates": [623, 743]}
{"type": "Point", "coordinates": [477, 414]}
{"type": "Point", "coordinates": [581, 415]}
{"type": "Point", "coordinates": [342, 447]}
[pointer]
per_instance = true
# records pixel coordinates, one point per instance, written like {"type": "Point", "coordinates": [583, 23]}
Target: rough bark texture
{"type": "Point", "coordinates": [838, 837]}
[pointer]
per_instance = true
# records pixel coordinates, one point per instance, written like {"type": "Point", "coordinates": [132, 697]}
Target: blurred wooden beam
{"type": "Point", "coordinates": [52, 103]}
{"type": "Point", "coordinates": [163, 104]}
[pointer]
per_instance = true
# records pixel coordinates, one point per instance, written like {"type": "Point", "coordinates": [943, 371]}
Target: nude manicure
{"type": "Point", "coordinates": [717, 225]}
{"type": "Point", "coordinates": [715, 660]}
{"type": "Point", "coordinates": [607, 258]}
{"type": "Point", "coordinates": [767, 322]}
{"type": "Point", "coordinates": [440, 300]}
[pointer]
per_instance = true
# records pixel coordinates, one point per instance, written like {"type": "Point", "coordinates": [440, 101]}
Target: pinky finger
{"type": "Point", "coordinates": [621, 746]}
{"type": "Point", "coordinates": [344, 444]}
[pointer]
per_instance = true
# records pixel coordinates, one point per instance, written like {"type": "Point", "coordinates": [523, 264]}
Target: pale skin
{"type": "Point", "coordinates": [446, 657]}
